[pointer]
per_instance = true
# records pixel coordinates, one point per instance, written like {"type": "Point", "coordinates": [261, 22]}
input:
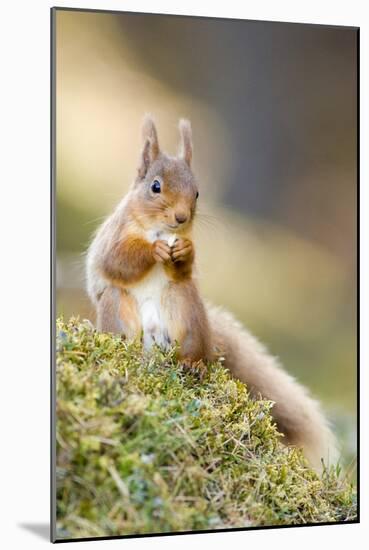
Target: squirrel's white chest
{"type": "Point", "coordinates": [151, 287]}
{"type": "Point", "coordinates": [149, 294]}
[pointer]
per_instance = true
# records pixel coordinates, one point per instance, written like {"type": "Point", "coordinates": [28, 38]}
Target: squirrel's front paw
{"type": "Point", "coordinates": [161, 252]}
{"type": "Point", "coordinates": [182, 251]}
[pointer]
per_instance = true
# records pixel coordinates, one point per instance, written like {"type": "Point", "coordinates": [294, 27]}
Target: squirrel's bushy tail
{"type": "Point", "coordinates": [296, 414]}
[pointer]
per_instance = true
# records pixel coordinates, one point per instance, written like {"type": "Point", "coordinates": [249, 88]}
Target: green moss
{"type": "Point", "coordinates": [145, 447]}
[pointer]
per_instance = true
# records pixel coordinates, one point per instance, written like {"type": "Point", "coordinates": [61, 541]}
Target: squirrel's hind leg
{"type": "Point", "coordinates": [188, 323]}
{"type": "Point", "coordinates": [107, 311]}
{"type": "Point", "coordinates": [116, 312]}
{"type": "Point", "coordinates": [129, 316]}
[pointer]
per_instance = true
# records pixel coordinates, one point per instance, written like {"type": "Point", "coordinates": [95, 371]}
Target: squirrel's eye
{"type": "Point", "coordinates": [197, 195]}
{"type": "Point", "coordinates": [155, 186]}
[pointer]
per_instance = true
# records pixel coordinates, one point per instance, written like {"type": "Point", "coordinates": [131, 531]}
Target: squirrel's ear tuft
{"type": "Point", "coordinates": [185, 150]}
{"type": "Point", "coordinates": [150, 149]}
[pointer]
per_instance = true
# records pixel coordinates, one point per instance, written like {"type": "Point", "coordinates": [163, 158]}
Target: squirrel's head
{"type": "Point", "coordinates": [165, 191]}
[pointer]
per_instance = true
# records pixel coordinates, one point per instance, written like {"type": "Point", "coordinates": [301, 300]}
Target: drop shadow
{"type": "Point", "coordinates": [42, 530]}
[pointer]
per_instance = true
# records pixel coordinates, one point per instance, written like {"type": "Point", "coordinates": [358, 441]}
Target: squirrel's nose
{"type": "Point", "coordinates": [181, 217]}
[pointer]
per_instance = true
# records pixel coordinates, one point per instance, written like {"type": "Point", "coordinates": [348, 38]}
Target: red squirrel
{"type": "Point", "coordinates": [140, 278]}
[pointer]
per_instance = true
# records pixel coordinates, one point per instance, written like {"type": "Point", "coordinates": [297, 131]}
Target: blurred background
{"type": "Point", "coordinates": [273, 110]}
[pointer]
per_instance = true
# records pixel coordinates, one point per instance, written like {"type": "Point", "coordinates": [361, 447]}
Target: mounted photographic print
{"type": "Point", "coordinates": [204, 184]}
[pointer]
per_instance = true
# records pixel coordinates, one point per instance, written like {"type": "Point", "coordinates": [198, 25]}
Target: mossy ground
{"type": "Point", "coordinates": [145, 447]}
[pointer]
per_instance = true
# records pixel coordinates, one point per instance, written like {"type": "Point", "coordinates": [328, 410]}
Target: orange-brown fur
{"type": "Point", "coordinates": [131, 266]}
{"type": "Point", "coordinates": [191, 328]}
{"type": "Point", "coordinates": [128, 261]}
{"type": "Point", "coordinates": [128, 315]}
{"type": "Point", "coordinates": [122, 256]}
